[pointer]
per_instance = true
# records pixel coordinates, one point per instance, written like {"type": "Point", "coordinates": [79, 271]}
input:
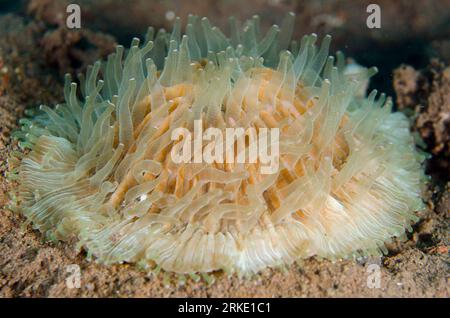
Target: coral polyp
{"type": "Point", "coordinates": [101, 168]}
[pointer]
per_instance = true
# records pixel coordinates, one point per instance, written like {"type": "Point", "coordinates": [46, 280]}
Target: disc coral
{"type": "Point", "coordinates": [100, 167]}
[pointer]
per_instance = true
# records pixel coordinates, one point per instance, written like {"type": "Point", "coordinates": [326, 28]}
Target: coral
{"type": "Point", "coordinates": [100, 167]}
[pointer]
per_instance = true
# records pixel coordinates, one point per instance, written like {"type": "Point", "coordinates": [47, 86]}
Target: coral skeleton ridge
{"type": "Point", "coordinates": [99, 167]}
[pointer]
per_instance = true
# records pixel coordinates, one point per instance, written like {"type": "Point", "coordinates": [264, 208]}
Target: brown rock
{"type": "Point", "coordinates": [428, 93]}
